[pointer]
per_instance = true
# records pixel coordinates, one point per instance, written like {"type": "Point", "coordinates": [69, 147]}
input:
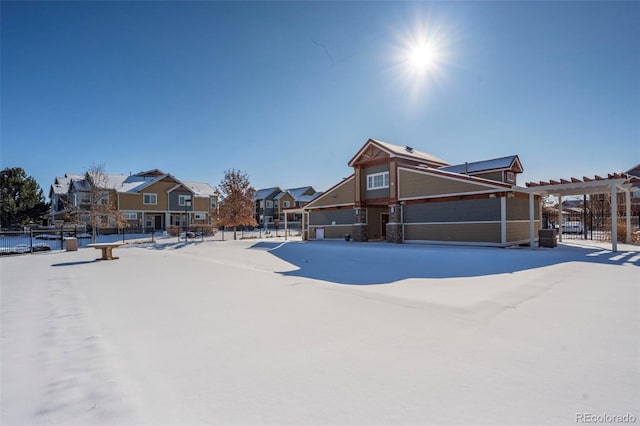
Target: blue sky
{"type": "Point", "coordinates": [289, 91]}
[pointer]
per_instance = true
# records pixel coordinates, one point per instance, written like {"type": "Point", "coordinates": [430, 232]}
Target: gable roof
{"type": "Point", "coordinates": [502, 163]}
{"type": "Point", "coordinates": [634, 171]}
{"type": "Point", "coordinates": [261, 194]}
{"type": "Point", "coordinates": [399, 151]}
{"type": "Point", "coordinates": [309, 198]}
{"type": "Point", "coordinates": [201, 189]}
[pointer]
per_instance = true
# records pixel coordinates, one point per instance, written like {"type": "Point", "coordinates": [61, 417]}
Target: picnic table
{"type": "Point", "coordinates": [106, 248]}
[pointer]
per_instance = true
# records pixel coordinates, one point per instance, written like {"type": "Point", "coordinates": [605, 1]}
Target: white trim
{"type": "Point", "coordinates": [150, 204]}
{"type": "Point", "coordinates": [333, 188]}
{"type": "Point", "coordinates": [371, 181]}
{"type": "Point", "coordinates": [330, 225]}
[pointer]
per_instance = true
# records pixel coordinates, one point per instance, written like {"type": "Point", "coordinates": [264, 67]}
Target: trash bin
{"type": "Point", "coordinates": [547, 238]}
{"type": "Point", "coordinates": [71, 243]}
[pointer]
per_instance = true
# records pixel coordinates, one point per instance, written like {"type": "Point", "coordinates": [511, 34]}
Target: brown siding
{"type": "Point", "coordinates": [374, 220]}
{"type": "Point", "coordinates": [518, 208]}
{"type": "Point", "coordinates": [336, 231]}
{"type": "Point", "coordinates": [519, 231]}
{"type": "Point", "coordinates": [415, 184]}
{"type": "Point", "coordinates": [134, 201]}
{"type": "Point", "coordinates": [286, 197]}
{"type": "Point", "coordinates": [202, 204]}
{"type": "Point", "coordinates": [131, 202]}
{"type": "Point", "coordinates": [341, 194]}
{"type": "Point", "coordinates": [472, 232]}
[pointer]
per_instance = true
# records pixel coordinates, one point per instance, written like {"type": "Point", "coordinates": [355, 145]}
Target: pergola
{"type": "Point", "coordinates": [298, 210]}
{"type": "Point", "coordinates": [612, 184]}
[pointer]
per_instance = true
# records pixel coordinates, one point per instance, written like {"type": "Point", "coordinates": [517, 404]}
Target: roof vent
{"type": "Point", "coordinates": [409, 149]}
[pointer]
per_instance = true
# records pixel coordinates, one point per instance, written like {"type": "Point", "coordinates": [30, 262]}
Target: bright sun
{"type": "Point", "coordinates": [423, 57]}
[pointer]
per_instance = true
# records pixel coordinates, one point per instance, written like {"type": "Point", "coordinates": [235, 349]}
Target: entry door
{"type": "Point", "coordinates": [158, 222]}
{"type": "Point", "coordinates": [384, 219]}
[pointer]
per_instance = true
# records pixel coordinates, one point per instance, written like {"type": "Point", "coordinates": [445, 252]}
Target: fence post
{"type": "Point", "coordinates": [31, 240]}
{"type": "Point", "coordinates": [153, 235]}
{"type": "Point", "coordinates": [123, 234]}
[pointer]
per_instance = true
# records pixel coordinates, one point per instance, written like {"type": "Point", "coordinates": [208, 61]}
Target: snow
{"type": "Point", "coordinates": [284, 332]}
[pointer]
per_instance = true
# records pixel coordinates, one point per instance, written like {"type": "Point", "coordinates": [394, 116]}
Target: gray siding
{"type": "Point", "coordinates": [376, 193]}
{"type": "Point", "coordinates": [173, 201]}
{"type": "Point", "coordinates": [453, 211]}
{"type": "Point", "coordinates": [518, 208]}
{"type": "Point", "coordinates": [326, 217]}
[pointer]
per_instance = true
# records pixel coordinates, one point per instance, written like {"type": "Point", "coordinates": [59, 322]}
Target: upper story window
{"type": "Point", "coordinates": [213, 203]}
{"type": "Point", "coordinates": [85, 198]}
{"type": "Point", "coordinates": [184, 200]}
{"type": "Point", "coordinates": [269, 204]}
{"type": "Point", "coordinates": [262, 204]}
{"type": "Point", "coordinates": [276, 203]}
{"type": "Point", "coordinates": [150, 199]}
{"type": "Point", "coordinates": [511, 177]}
{"type": "Point", "coordinates": [104, 198]}
{"type": "Point", "coordinates": [286, 204]}
{"type": "Point", "coordinates": [378, 181]}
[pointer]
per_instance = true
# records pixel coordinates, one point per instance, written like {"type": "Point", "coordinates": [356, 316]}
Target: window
{"type": "Point", "coordinates": [104, 198]}
{"type": "Point", "coordinates": [269, 204]}
{"type": "Point", "coordinates": [85, 198]}
{"type": "Point", "coordinates": [276, 203]}
{"type": "Point", "coordinates": [200, 216]}
{"type": "Point", "coordinates": [378, 181]}
{"type": "Point", "coordinates": [262, 204]}
{"type": "Point", "coordinates": [184, 200]}
{"type": "Point", "coordinates": [150, 198]}
{"type": "Point", "coordinates": [268, 219]}
{"type": "Point", "coordinates": [511, 177]}
{"type": "Point", "coordinates": [130, 216]}
{"type": "Point", "coordinates": [286, 204]}
{"type": "Point", "coordinates": [213, 203]}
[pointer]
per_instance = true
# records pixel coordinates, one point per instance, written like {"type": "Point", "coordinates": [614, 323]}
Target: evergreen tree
{"type": "Point", "coordinates": [237, 206]}
{"type": "Point", "coordinates": [21, 199]}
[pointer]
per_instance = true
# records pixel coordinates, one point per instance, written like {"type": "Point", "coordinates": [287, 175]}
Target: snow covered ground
{"type": "Point", "coordinates": [307, 333]}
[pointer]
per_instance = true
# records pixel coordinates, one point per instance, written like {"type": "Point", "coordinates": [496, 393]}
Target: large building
{"type": "Point", "coordinates": [151, 199]}
{"type": "Point", "coordinates": [399, 194]}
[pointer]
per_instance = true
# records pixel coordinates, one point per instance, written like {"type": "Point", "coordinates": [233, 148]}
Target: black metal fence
{"type": "Point", "coordinates": [40, 240]}
{"type": "Point", "coordinates": [587, 225]}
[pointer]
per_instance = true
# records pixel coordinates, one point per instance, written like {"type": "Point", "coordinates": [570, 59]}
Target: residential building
{"type": "Point", "coordinates": [293, 198]}
{"type": "Point", "coordinates": [399, 194]}
{"type": "Point", "coordinates": [264, 199]}
{"type": "Point", "coordinates": [151, 199]}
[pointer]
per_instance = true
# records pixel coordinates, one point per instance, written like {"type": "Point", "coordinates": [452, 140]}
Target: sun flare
{"type": "Point", "coordinates": [423, 57]}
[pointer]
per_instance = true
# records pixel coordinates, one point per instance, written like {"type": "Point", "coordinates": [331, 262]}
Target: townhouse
{"type": "Point", "coordinates": [150, 199]}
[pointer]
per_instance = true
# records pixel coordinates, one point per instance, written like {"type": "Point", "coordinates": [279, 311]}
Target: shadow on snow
{"type": "Point", "coordinates": [380, 263]}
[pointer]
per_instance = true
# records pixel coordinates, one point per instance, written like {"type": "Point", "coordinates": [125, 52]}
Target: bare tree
{"type": "Point", "coordinates": [237, 205]}
{"type": "Point", "coordinates": [96, 201]}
